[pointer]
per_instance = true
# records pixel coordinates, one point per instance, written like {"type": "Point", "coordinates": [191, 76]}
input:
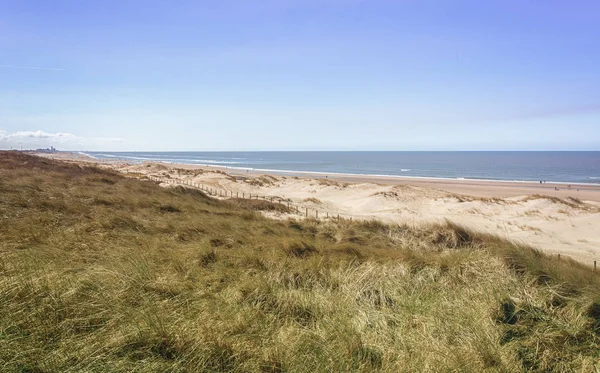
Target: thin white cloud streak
{"type": "Point", "coordinates": [24, 135]}
{"type": "Point", "coordinates": [32, 68]}
{"type": "Point", "coordinates": [39, 138]}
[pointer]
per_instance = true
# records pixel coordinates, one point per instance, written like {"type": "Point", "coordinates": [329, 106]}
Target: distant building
{"type": "Point", "coordinates": [51, 149]}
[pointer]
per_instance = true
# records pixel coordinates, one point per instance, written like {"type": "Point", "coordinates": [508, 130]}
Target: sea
{"type": "Point", "coordinates": [518, 166]}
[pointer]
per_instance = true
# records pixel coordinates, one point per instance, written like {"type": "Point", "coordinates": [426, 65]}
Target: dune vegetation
{"type": "Point", "coordinates": [101, 272]}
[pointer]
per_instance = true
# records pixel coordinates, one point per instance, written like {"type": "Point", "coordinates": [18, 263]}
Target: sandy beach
{"type": "Point", "coordinates": [552, 217]}
{"type": "Point", "coordinates": [475, 188]}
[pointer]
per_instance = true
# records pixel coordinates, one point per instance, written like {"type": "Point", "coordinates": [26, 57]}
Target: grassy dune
{"type": "Point", "coordinates": [99, 272]}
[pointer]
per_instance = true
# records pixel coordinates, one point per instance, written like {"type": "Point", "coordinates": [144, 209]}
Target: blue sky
{"type": "Point", "coordinates": [300, 75]}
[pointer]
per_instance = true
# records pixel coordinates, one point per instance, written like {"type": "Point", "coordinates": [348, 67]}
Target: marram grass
{"type": "Point", "coordinates": [101, 273]}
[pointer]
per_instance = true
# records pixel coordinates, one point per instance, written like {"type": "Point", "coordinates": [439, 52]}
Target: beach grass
{"type": "Point", "coordinates": [100, 272]}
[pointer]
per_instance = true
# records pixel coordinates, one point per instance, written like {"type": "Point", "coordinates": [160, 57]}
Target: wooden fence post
{"type": "Point", "coordinates": [316, 214]}
{"type": "Point", "coordinates": [307, 212]}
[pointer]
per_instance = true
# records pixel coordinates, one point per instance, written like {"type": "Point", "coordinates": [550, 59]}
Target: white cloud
{"type": "Point", "coordinates": [60, 140]}
{"type": "Point", "coordinates": [39, 134]}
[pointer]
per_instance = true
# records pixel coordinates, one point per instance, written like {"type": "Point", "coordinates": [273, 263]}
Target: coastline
{"type": "Point", "coordinates": [284, 172]}
{"type": "Point", "coordinates": [469, 187]}
{"type": "Point", "coordinates": [372, 176]}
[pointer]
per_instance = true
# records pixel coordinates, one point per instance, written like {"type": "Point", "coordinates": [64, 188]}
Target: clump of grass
{"type": "Point", "coordinates": [495, 200]}
{"type": "Point", "coordinates": [452, 236]}
{"type": "Point", "coordinates": [169, 208]}
{"type": "Point", "coordinates": [329, 182]}
{"type": "Point", "coordinates": [208, 258]}
{"type": "Point", "coordinates": [301, 249]}
{"type": "Point", "coordinates": [264, 180]}
{"type": "Point", "coordinates": [389, 194]}
{"type": "Point", "coordinates": [95, 277]}
{"type": "Point", "coordinates": [572, 202]}
{"type": "Point", "coordinates": [258, 205]}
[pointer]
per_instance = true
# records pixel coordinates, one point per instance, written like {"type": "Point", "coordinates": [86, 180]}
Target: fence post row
{"type": "Point", "coordinates": [225, 193]}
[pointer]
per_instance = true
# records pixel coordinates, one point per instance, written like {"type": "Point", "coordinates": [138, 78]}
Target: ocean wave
{"type": "Point", "coordinates": [130, 157]}
{"type": "Point", "coordinates": [87, 155]}
{"type": "Point", "coordinates": [170, 160]}
{"type": "Point", "coordinates": [108, 155]}
{"type": "Point", "coordinates": [204, 161]}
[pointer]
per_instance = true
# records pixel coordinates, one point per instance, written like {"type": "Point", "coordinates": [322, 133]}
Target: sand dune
{"type": "Point", "coordinates": [564, 221]}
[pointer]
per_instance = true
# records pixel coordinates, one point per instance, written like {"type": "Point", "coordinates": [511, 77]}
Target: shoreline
{"type": "Point", "coordinates": [342, 174]}
{"type": "Point", "coordinates": [467, 187]}
{"type": "Point", "coordinates": [324, 173]}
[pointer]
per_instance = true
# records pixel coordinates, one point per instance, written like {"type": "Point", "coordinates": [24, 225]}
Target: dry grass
{"type": "Point", "coordinates": [258, 205]}
{"type": "Point", "coordinates": [103, 273]}
{"type": "Point", "coordinates": [572, 202]}
{"type": "Point", "coordinates": [492, 200]}
{"type": "Point", "coordinates": [387, 194]}
{"type": "Point", "coordinates": [329, 182]}
{"type": "Point", "coordinates": [264, 180]}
